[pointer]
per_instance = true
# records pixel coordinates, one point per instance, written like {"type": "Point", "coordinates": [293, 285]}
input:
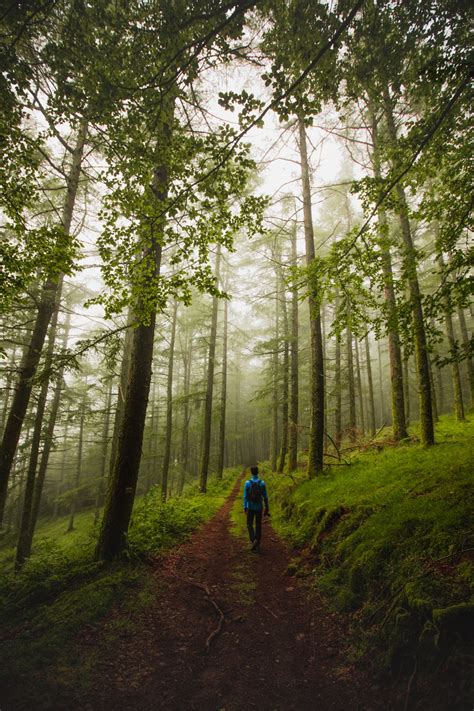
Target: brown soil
{"type": "Point", "coordinates": [274, 649]}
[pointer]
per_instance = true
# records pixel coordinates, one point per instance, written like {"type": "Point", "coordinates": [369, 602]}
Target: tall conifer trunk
{"type": "Point", "coordinates": [169, 406]}
{"type": "Point", "coordinates": [371, 385]}
{"type": "Point", "coordinates": [285, 365]}
{"type": "Point", "coordinates": [350, 379]}
{"type": "Point", "coordinates": [316, 430]}
{"type": "Point", "coordinates": [223, 407]}
{"type": "Point", "coordinates": [293, 417]}
{"type": "Point", "coordinates": [187, 359]}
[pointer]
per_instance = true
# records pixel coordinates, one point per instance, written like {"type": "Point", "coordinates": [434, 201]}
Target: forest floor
{"type": "Point", "coordinates": [227, 629]}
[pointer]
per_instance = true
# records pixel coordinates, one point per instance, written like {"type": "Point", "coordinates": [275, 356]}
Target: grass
{"type": "Point", "coordinates": [61, 592]}
{"type": "Point", "coordinates": [389, 539]}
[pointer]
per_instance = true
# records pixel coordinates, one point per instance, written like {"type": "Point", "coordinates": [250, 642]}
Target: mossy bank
{"type": "Point", "coordinates": [388, 539]}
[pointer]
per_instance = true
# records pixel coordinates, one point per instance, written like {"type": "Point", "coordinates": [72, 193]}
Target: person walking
{"type": "Point", "coordinates": [255, 504]}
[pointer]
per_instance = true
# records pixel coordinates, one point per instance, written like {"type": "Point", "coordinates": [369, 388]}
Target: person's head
{"type": "Point", "coordinates": [254, 471]}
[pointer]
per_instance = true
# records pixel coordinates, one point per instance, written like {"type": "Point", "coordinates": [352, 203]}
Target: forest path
{"type": "Point", "coordinates": [273, 652]}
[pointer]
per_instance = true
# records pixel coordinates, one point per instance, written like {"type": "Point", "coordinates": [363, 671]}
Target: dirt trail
{"type": "Point", "coordinates": [274, 652]}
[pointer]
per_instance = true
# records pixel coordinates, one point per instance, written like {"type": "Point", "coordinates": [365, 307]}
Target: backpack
{"type": "Point", "coordinates": [255, 492]}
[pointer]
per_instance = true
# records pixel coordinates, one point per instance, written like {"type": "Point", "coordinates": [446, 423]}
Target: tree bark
{"type": "Point", "coordinates": [169, 406]}
{"type": "Point", "coordinates": [359, 387]}
{"type": "Point", "coordinates": [221, 450]}
{"type": "Point", "coordinates": [286, 358]}
{"type": "Point", "coordinates": [294, 345]}
{"type": "Point", "coordinates": [206, 449]}
{"type": "Point", "coordinates": [103, 459]}
{"type": "Point", "coordinates": [32, 354]}
{"type": "Point", "coordinates": [275, 373]}
{"type": "Point", "coordinates": [371, 386]}
{"type": "Point", "coordinates": [187, 360]}
{"type": "Point", "coordinates": [466, 342]}
{"type": "Point", "coordinates": [350, 380]}
{"type": "Point", "coordinates": [77, 477]}
{"type": "Point", "coordinates": [316, 430]}
{"type": "Point", "coordinates": [421, 352]}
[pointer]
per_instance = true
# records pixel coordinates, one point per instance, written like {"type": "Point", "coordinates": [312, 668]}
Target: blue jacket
{"type": "Point", "coordinates": [255, 506]}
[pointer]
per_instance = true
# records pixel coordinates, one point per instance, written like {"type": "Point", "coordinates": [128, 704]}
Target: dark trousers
{"type": "Point", "coordinates": [255, 535]}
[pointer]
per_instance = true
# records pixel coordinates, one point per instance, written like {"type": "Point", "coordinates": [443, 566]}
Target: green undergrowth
{"type": "Point", "coordinates": [388, 538]}
{"type": "Point", "coordinates": [61, 591]}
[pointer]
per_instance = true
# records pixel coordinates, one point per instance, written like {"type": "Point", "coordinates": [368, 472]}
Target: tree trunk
{"type": "Point", "coordinates": [433, 394]}
{"type": "Point", "coordinates": [32, 354]}
{"type": "Point", "coordinates": [359, 387]}
{"type": "Point", "coordinates": [221, 451]}
{"type": "Point", "coordinates": [206, 449]}
{"type": "Point", "coordinates": [406, 385]}
{"type": "Point", "coordinates": [187, 360]}
{"type": "Point", "coordinates": [48, 437]}
{"type": "Point", "coordinates": [316, 430]}
{"type": "Point", "coordinates": [409, 258]}
{"type": "Point", "coordinates": [103, 459]}
{"type": "Point", "coordinates": [60, 482]}
{"type": "Point", "coordinates": [8, 387]}
{"type": "Point", "coordinates": [466, 342]}
{"type": "Point", "coordinates": [286, 358]}
{"type": "Point", "coordinates": [399, 426]}
{"type": "Point", "coordinates": [169, 406]}
{"type": "Point", "coordinates": [350, 381]}
{"type": "Point", "coordinates": [125, 468]}
{"type": "Point", "coordinates": [452, 344]}
{"type": "Point", "coordinates": [122, 387]}
{"type": "Point", "coordinates": [293, 420]}
{"type": "Point", "coordinates": [77, 477]}
{"type": "Point", "coordinates": [381, 391]}
{"type": "Point", "coordinates": [25, 537]}
{"type": "Point", "coordinates": [338, 392]}
{"type": "Point", "coordinates": [371, 386]}
{"type": "Point", "coordinates": [275, 373]}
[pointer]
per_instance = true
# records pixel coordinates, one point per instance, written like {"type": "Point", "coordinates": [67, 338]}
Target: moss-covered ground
{"type": "Point", "coordinates": [62, 590]}
{"type": "Point", "coordinates": [388, 537]}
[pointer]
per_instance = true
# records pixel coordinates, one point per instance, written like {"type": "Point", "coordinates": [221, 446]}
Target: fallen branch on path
{"type": "Point", "coordinates": [270, 611]}
{"type": "Point", "coordinates": [203, 586]}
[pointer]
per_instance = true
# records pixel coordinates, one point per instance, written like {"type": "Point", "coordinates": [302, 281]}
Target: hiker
{"type": "Point", "coordinates": [255, 497]}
